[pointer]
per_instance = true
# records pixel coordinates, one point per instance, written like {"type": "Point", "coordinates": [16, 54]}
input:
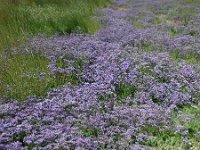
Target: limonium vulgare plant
{"type": "Point", "coordinates": [128, 83]}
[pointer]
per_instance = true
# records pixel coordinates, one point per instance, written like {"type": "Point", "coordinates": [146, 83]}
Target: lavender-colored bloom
{"type": "Point", "coordinates": [127, 81]}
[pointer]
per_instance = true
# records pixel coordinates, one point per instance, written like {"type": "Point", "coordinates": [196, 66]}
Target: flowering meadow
{"type": "Point", "coordinates": [134, 84]}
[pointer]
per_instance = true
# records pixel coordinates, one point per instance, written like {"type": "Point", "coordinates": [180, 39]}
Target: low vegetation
{"type": "Point", "coordinates": [135, 84]}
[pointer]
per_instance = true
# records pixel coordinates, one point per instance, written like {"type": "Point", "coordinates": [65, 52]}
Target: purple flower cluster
{"type": "Point", "coordinates": [122, 88]}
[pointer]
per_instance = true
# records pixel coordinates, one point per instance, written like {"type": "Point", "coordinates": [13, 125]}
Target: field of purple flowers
{"type": "Point", "coordinates": [137, 84]}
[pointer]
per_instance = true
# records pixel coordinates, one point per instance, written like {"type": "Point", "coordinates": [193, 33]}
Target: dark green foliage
{"type": "Point", "coordinates": [89, 132]}
{"type": "Point", "coordinates": [117, 137]}
{"type": "Point", "coordinates": [20, 137]}
{"type": "Point", "coordinates": [124, 90]}
{"type": "Point", "coordinates": [31, 146]}
{"type": "Point", "coordinates": [105, 97]}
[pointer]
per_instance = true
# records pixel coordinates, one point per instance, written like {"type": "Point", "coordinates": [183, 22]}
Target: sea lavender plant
{"type": "Point", "coordinates": [123, 90]}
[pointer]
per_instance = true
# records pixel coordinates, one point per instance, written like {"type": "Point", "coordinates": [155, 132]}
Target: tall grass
{"type": "Point", "coordinates": [20, 19]}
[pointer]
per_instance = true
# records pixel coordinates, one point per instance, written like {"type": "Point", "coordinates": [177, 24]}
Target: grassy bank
{"type": "Point", "coordinates": [20, 19]}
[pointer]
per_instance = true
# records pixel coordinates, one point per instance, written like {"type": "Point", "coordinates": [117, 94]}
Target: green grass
{"type": "Point", "coordinates": [20, 18]}
{"type": "Point", "coordinates": [188, 117]}
{"type": "Point", "coordinates": [124, 90]}
{"type": "Point", "coordinates": [156, 20]}
{"type": "Point", "coordinates": [90, 132]}
{"type": "Point", "coordinates": [139, 26]}
{"type": "Point", "coordinates": [24, 75]}
{"type": "Point", "coordinates": [190, 58]}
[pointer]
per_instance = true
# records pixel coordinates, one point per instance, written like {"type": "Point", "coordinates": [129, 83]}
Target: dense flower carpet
{"type": "Point", "coordinates": [128, 76]}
